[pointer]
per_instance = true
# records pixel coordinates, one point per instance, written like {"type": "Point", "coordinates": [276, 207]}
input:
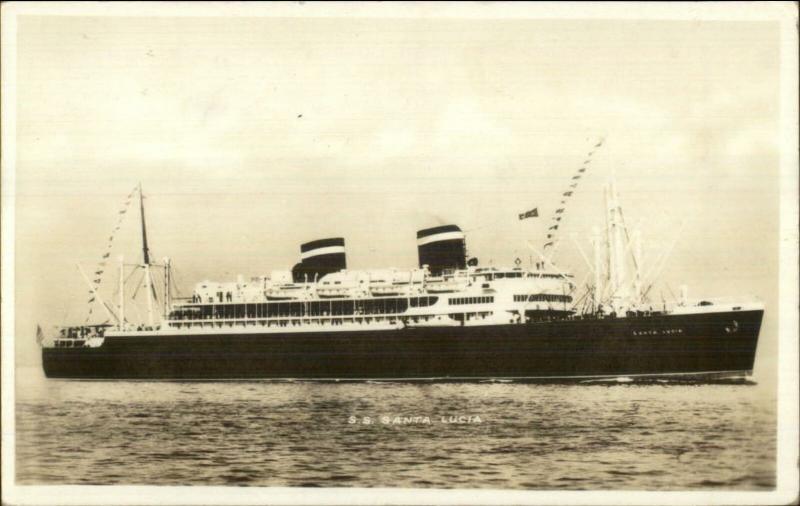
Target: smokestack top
{"type": "Point", "coordinates": [437, 230]}
{"type": "Point", "coordinates": [321, 243]}
{"type": "Point", "coordinates": [437, 234]}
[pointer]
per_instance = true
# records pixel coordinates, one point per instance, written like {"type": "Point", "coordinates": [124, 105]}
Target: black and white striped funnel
{"type": "Point", "coordinates": [320, 257]}
{"type": "Point", "coordinates": [441, 248]}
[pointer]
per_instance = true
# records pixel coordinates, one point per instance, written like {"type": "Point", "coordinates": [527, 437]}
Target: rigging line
{"type": "Point", "coordinates": [628, 238]}
{"type": "Point", "coordinates": [125, 281]}
{"type": "Point", "coordinates": [154, 286]}
{"type": "Point", "coordinates": [581, 299]}
{"type": "Point", "coordinates": [647, 285]}
{"type": "Point", "coordinates": [109, 310]}
{"type": "Point", "coordinates": [135, 267]}
{"type": "Point", "coordinates": [138, 313]}
{"type": "Point", "coordinates": [583, 281]}
{"type": "Point", "coordinates": [175, 287]}
{"type": "Point", "coordinates": [136, 291]}
{"type": "Point", "coordinates": [174, 273]}
{"type": "Point", "coordinates": [670, 291]}
{"type": "Point", "coordinates": [574, 288]}
{"type": "Point", "coordinates": [583, 255]}
{"type": "Point", "coordinates": [630, 276]}
{"type": "Point", "coordinates": [656, 271]}
{"type": "Point", "coordinates": [589, 304]}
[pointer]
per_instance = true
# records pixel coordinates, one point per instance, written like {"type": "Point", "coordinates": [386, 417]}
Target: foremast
{"type": "Point", "coordinates": [149, 283]}
{"type": "Point", "coordinates": [617, 264]}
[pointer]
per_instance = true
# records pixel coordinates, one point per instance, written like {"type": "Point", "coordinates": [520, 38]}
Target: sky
{"type": "Point", "coordinates": [253, 135]}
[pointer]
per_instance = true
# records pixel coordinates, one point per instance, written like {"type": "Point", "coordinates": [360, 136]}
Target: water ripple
{"type": "Point", "coordinates": [622, 436]}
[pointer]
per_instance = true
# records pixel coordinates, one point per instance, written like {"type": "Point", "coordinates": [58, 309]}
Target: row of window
{"type": "Point", "coordinates": [501, 275]}
{"type": "Point", "coordinates": [542, 297]}
{"type": "Point", "coordinates": [471, 300]}
{"type": "Point", "coordinates": [300, 309]}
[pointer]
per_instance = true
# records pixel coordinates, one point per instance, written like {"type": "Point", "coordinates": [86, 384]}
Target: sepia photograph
{"type": "Point", "coordinates": [399, 253]}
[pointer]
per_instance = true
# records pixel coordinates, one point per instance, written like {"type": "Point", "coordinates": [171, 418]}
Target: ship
{"type": "Point", "coordinates": [446, 319]}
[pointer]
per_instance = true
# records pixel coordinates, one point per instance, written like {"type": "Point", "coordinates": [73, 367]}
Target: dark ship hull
{"type": "Point", "coordinates": [678, 345]}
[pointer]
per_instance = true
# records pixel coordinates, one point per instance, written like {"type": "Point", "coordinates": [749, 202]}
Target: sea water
{"type": "Point", "coordinates": [617, 435]}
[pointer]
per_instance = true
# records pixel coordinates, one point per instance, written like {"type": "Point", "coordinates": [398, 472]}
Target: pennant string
{"type": "Point", "coordinates": [568, 194]}
{"type": "Point", "coordinates": [101, 264]}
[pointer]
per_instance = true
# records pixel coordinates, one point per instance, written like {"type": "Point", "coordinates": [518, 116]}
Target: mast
{"type": "Point", "coordinates": [146, 259]}
{"type": "Point", "coordinates": [145, 250]}
{"type": "Point", "coordinates": [148, 280]}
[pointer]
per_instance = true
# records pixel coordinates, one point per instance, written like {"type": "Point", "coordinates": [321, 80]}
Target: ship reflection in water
{"type": "Point", "coordinates": [582, 436]}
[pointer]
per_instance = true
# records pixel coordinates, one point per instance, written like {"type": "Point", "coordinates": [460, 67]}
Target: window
{"type": "Point", "coordinates": [471, 300]}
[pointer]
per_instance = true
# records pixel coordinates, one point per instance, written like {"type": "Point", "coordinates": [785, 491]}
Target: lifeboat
{"type": "Point", "coordinates": [283, 292]}
{"type": "Point", "coordinates": [444, 286]}
{"type": "Point", "coordinates": [333, 292]}
{"type": "Point", "coordinates": [385, 290]}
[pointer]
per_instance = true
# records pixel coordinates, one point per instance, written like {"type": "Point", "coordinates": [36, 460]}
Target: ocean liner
{"type": "Point", "coordinates": [447, 319]}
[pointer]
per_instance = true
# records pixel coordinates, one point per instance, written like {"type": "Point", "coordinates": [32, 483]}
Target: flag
{"type": "Point", "coordinates": [97, 280]}
{"type": "Point", "coordinates": [554, 227]}
{"type": "Point", "coordinates": [533, 213]}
